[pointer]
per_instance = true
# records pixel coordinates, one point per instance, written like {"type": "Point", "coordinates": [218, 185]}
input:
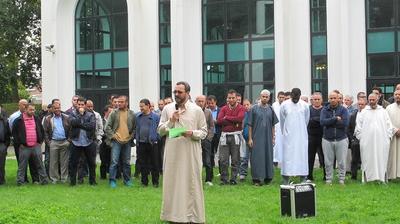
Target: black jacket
{"type": "Point", "coordinates": [87, 122]}
{"type": "Point", "coordinates": [5, 133]}
{"type": "Point", "coordinates": [352, 127]}
{"type": "Point", "coordinates": [19, 131]}
{"type": "Point", "coordinates": [334, 130]}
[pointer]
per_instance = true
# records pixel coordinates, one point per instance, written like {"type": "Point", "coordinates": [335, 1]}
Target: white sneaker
{"type": "Point", "coordinates": [341, 182]}
{"type": "Point", "coordinates": [209, 183]}
{"type": "Point", "coordinates": [328, 182]}
{"type": "Point", "coordinates": [218, 175]}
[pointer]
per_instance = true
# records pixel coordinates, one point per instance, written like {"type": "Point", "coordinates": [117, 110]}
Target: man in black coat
{"type": "Point", "coordinates": [5, 135]}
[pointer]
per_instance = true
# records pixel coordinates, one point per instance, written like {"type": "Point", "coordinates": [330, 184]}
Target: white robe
{"type": "Point", "coordinates": [183, 199]}
{"type": "Point", "coordinates": [278, 134]}
{"type": "Point", "coordinates": [394, 151]}
{"type": "Point", "coordinates": [294, 119]}
{"type": "Point", "coordinates": [374, 130]}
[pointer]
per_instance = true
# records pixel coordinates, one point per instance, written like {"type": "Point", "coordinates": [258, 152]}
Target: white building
{"type": "Point", "coordinates": [139, 47]}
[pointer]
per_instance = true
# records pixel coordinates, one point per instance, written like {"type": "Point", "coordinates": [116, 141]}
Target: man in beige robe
{"type": "Point", "coordinates": [394, 151]}
{"type": "Point", "coordinates": [183, 199]}
{"type": "Point", "coordinates": [374, 130]}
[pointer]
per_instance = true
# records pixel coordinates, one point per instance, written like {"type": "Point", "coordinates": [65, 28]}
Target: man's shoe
{"type": "Point", "coordinates": [328, 182]}
{"type": "Point", "coordinates": [113, 184]}
{"type": "Point", "coordinates": [223, 183]}
{"type": "Point", "coordinates": [341, 182]}
{"type": "Point", "coordinates": [128, 183]}
{"type": "Point", "coordinates": [94, 183]}
{"type": "Point", "coordinates": [72, 184]}
{"type": "Point", "coordinates": [242, 178]}
{"type": "Point", "coordinates": [80, 181]}
{"type": "Point", "coordinates": [155, 185]}
{"type": "Point", "coordinates": [233, 182]}
{"type": "Point", "coordinates": [209, 183]}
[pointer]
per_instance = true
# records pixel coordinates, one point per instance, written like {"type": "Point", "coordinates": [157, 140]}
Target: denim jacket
{"type": "Point", "coordinates": [154, 137]}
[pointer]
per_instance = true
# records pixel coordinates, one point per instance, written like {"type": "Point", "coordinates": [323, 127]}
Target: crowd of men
{"type": "Point", "coordinates": [289, 133]}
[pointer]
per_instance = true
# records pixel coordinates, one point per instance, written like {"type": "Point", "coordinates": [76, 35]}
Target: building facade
{"type": "Point", "coordinates": [140, 47]}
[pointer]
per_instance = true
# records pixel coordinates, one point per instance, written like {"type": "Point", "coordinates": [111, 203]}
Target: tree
{"type": "Point", "coordinates": [20, 53]}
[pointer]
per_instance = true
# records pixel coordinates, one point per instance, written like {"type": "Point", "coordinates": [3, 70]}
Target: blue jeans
{"type": "Point", "coordinates": [244, 160]}
{"type": "Point", "coordinates": [123, 150]}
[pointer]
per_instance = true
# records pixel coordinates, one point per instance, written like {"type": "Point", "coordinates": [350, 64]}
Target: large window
{"type": "Point", "coordinates": [238, 47]}
{"type": "Point", "coordinates": [319, 62]}
{"type": "Point", "coordinates": [101, 45]}
{"type": "Point", "coordinates": [383, 44]}
{"type": "Point", "coordinates": [165, 48]}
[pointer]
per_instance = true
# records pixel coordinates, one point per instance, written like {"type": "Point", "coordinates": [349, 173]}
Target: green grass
{"type": "Point", "coordinates": [244, 203]}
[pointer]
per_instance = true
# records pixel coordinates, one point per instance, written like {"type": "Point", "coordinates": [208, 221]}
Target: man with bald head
{"type": "Point", "coordinates": [22, 104]}
{"type": "Point", "coordinates": [394, 152]}
{"type": "Point", "coordinates": [391, 99]}
{"type": "Point", "coordinates": [201, 101]}
{"type": "Point", "coordinates": [374, 130]}
{"type": "Point", "coordinates": [334, 120]}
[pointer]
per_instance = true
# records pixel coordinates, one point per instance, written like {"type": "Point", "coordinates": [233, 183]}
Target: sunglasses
{"type": "Point", "coordinates": [179, 92]}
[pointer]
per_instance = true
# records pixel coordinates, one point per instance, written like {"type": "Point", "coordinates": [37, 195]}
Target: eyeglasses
{"type": "Point", "coordinates": [178, 92]}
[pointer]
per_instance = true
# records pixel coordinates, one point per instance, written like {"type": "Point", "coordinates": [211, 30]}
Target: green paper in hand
{"type": "Point", "coordinates": [176, 132]}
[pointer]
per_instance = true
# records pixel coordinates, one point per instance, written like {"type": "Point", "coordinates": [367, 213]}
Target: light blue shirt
{"type": "Point", "coordinates": [214, 114]}
{"type": "Point", "coordinates": [83, 140]}
{"type": "Point", "coordinates": [58, 130]}
{"type": "Point", "coordinates": [12, 118]}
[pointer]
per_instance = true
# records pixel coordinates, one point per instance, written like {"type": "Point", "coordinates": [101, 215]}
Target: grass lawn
{"type": "Point", "coordinates": [244, 203]}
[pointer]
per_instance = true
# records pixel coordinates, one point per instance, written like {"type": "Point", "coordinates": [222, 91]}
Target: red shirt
{"type": "Point", "coordinates": [30, 127]}
{"type": "Point", "coordinates": [231, 118]}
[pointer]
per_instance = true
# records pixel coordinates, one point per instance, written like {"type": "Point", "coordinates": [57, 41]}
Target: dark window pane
{"type": "Point", "coordinates": [319, 68]}
{"type": "Point", "coordinates": [321, 86]}
{"type": "Point", "coordinates": [165, 34]}
{"type": "Point", "coordinates": [165, 75]}
{"type": "Point", "coordinates": [211, 1]}
{"type": "Point", "coordinates": [103, 80]}
{"type": "Point", "coordinates": [84, 41]}
{"type": "Point", "coordinates": [214, 74]}
{"type": "Point", "coordinates": [263, 72]}
{"type": "Point", "coordinates": [121, 78]}
{"type": "Point", "coordinates": [213, 22]}
{"type": "Point", "coordinates": [381, 65]}
{"type": "Point", "coordinates": [237, 26]}
{"type": "Point", "coordinates": [318, 3]}
{"type": "Point", "coordinates": [118, 5]}
{"type": "Point", "coordinates": [165, 12]}
{"type": "Point", "coordinates": [84, 80]}
{"type": "Point", "coordinates": [102, 33]}
{"type": "Point", "coordinates": [102, 7]}
{"type": "Point", "coordinates": [263, 18]}
{"type": "Point", "coordinates": [318, 19]}
{"type": "Point", "coordinates": [84, 9]}
{"type": "Point", "coordinates": [380, 13]}
{"type": "Point", "coordinates": [165, 91]}
{"type": "Point", "coordinates": [238, 73]}
{"type": "Point", "coordinates": [120, 30]}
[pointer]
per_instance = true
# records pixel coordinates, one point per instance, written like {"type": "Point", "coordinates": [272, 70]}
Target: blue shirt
{"type": "Point", "coordinates": [83, 140]}
{"type": "Point", "coordinates": [58, 130]}
{"type": "Point", "coordinates": [214, 114]}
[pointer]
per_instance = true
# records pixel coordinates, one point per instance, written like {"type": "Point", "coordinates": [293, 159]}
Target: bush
{"type": "Point", "coordinates": [10, 108]}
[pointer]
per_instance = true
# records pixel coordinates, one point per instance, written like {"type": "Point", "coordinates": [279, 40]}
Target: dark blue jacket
{"type": "Point", "coordinates": [154, 137]}
{"type": "Point", "coordinates": [334, 130]}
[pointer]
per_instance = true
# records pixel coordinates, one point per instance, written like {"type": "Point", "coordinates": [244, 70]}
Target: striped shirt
{"type": "Point", "coordinates": [30, 127]}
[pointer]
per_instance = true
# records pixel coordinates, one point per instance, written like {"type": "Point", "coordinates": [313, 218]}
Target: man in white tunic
{"type": "Point", "coordinates": [183, 199]}
{"type": "Point", "coordinates": [394, 151]}
{"type": "Point", "coordinates": [276, 106]}
{"type": "Point", "coordinates": [374, 130]}
{"type": "Point", "coordinates": [294, 117]}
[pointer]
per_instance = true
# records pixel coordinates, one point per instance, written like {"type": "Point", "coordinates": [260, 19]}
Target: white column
{"type": "Point", "coordinates": [186, 44]}
{"type": "Point", "coordinates": [292, 45]}
{"type": "Point", "coordinates": [143, 51]}
{"type": "Point", "coordinates": [346, 46]}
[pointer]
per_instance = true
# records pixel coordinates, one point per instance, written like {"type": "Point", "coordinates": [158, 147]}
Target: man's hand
{"type": "Point", "coordinates": [175, 117]}
{"type": "Point", "coordinates": [250, 143]}
{"type": "Point", "coordinates": [188, 134]}
{"type": "Point", "coordinates": [338, 118]}
{"type": "Point", "coordinates": [398, 133]}
{"type": "Point", "coordinates": [81, 110]}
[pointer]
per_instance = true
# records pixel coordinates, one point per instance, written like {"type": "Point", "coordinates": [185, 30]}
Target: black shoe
{"type": "Point", "coordinates": [223, 183]}
{"type": "Point", "coordinates": [267, 181]}
{"type": "Point", "coordinates": [354, 177]}
{"type": "Point", "coordinates": [72, 184]}
{"type": "Point", "coordinates": [94, 183]}
{"type": "Point", "coordinates": [233, 182]}
{"type": "Point", "coordinates": [155, 185]}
